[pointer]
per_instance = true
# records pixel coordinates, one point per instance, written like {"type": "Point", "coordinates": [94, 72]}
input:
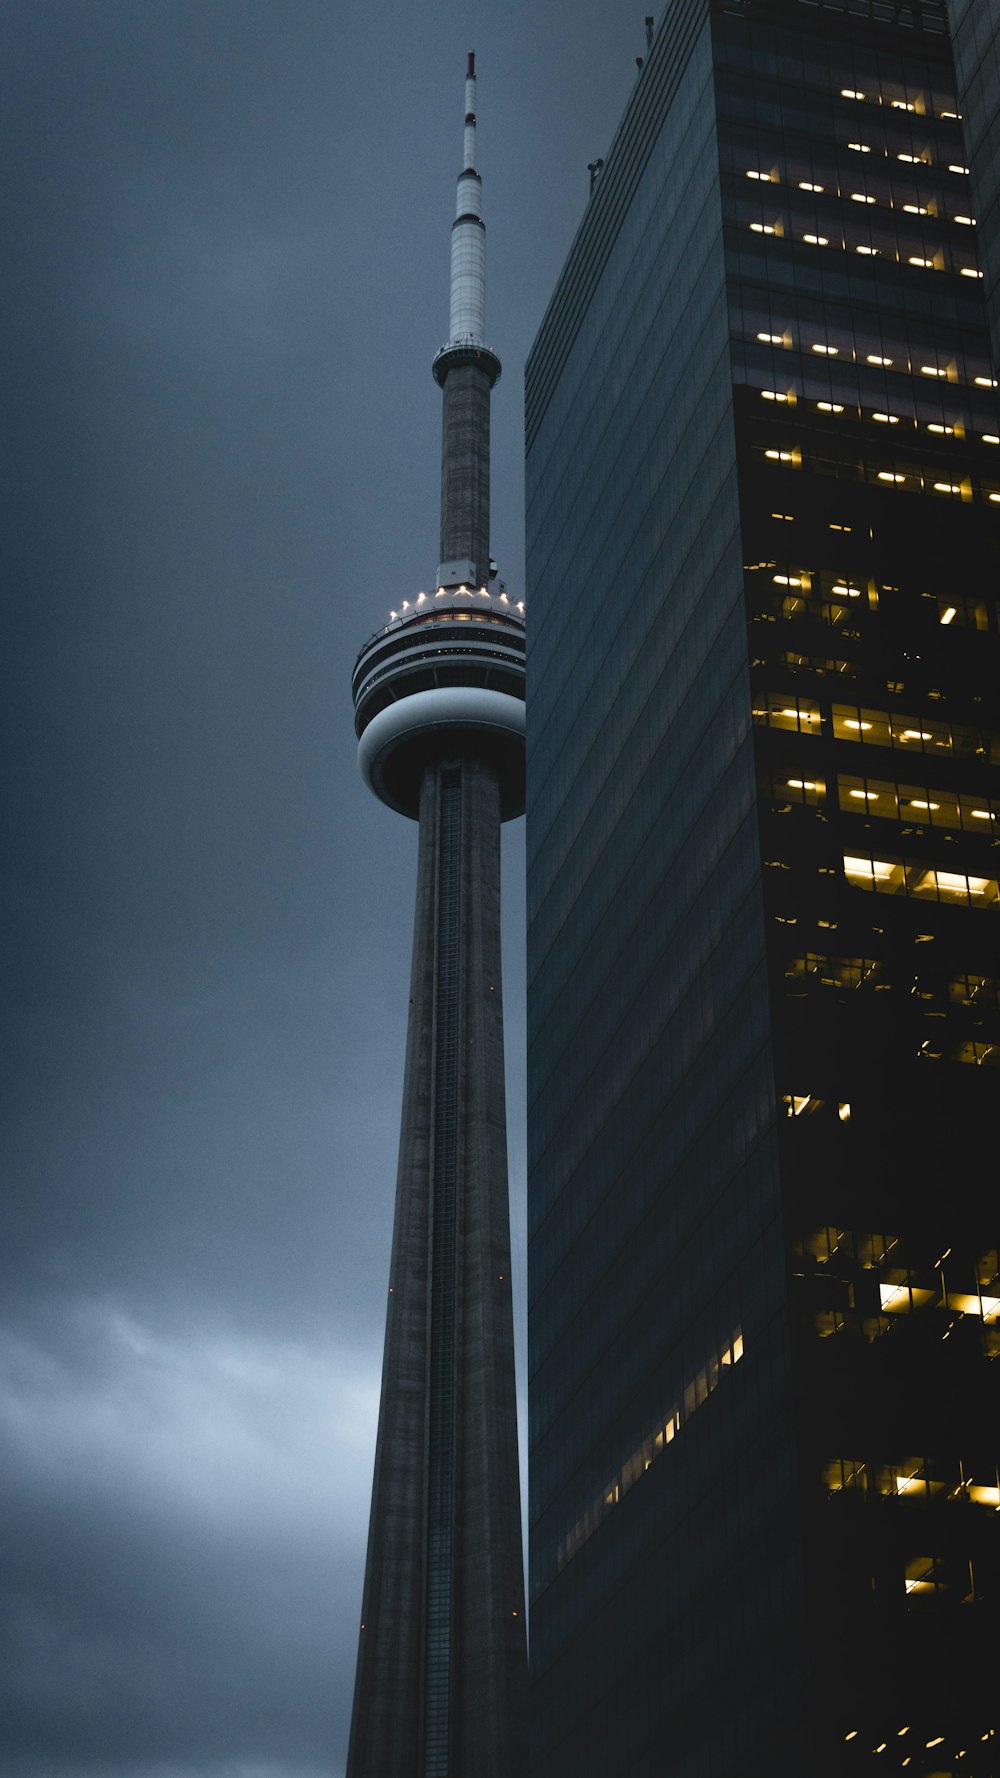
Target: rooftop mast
{"type": "Point", "coordinates": [466, 369]}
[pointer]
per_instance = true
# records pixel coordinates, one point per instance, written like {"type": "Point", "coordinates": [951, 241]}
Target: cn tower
{"type": "Point", "coordinates": [441, 1686]}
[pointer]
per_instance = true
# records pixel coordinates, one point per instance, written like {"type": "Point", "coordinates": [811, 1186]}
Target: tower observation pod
{"type": "Point", "coordinates": [441, 1685]}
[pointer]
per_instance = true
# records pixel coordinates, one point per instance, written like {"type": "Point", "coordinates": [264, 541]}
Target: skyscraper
{"type": "Point", "coordinates": [763, 505]}
{"type": "Point", "coordinates": [439, 699]}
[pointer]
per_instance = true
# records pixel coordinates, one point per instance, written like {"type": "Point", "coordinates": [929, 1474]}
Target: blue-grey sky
{"type": "Point", "coordinates": [225, 278]}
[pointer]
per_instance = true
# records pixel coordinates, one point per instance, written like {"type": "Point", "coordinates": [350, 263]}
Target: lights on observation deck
{"type": "Point", "coordinates": [409, 607]}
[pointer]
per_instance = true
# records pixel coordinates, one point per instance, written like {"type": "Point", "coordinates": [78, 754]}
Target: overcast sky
{"type": "Point", "coordinates": [224, 280]}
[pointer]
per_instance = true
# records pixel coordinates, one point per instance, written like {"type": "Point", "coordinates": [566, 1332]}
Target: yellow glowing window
{"type": "Point", "coordinates": [886, 419]}
{"type": "Point", "coordinates": [991, 438]}
{"type": "Point", "coordinates": [752, 173]}
{"type": "Point", "coordinates": [801, 1104]}
{"type": "Point", "coordinates": [985, 382]}
{"type": "Point", "coordinates": [894, 1298]}
{"type": "Point", "coordinates": [693, 1393]}
{"type": "Point", "coordinates": [772, 339]}
{"type": "Point", "coordinates": [806, 185]}
{"type": "Point", "coordinates": [762, 228]}
{"type": "Point", "coordinates": [875, 358]}
{"type": "Point", "coordinates": [850, 92]}
{"type": "Point", "coordinates": [970, 271]}
{"type": "Point", "coordinates": [803, 717]}
{"type": "Point", "coordinates": [886, 475]}
{"type": "Point", "coordinates": [916, 209]}
{"type": "Point", "coordinates": [873, 873]}
{"type": "Point", "coordinates": [870, 250]}
{"type": "Point", "coordinates": [817, 240]}
{"type": "Point", "coordinates": [954, 886]}
{"type": "Point", "coordinates": [830, 407]}
{"type": "Point", "coordinates": [861, 197]}
{"type": "Point", "coordinates": [859, 147]}
{"type": "Point", "coordinates": [827, 351]}
{"type": "Point", "coordinates": [969, 221]}
{"type": "Point", "coordinates": [954, 168]}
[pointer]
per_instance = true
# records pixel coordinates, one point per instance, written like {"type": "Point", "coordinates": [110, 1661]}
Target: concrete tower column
{"type": "Point", "coordinates": [440, 1683]}
{"type": "Point", "coordinates": [441, 1688]}
{"type": "Point", "coordinates": [465, 470]}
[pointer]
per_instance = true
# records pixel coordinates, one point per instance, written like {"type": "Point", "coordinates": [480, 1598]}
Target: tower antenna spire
{"type": "Point", "coordinates": [466, 368]}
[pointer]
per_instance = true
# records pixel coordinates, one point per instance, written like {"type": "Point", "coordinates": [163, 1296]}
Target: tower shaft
{"type": "Point", "coordinates": [441, 1681]}
{"type": "Point", "coordinates": [465, 471]}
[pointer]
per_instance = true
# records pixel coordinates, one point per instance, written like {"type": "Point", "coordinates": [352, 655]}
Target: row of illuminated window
{"type": "Point", "coordinates": [950, 365]}
{"type": "Point", "coordinates": [961, 613]}
{"type": "Point", "coordinates": [877, 728]}
{"type": "Point", "coordinates": [945, 1747]}
{"type": "Point", "coordinates": [981, 1051]}
{"type": "Point", "coordinates": [869, 239]}
{"type": "Point", "coordinates": [899, 876]}
{"type": "Point", "coordinates": [789, 396]}
{"type": "Point", "coordinates": [911, 477]}
{"type": "Point", "coordinates": [941, 205]}
{"type": "Point", "coordinates": [973, 1272]}
{"type": "Point", "coordinates": [822, 68]}
{"type": "Point", "coordinates": [814, 967]}
{"type": "Point", "coordinates": [801, 581]}
{"type": "Point", "coordinates": [817, 665]}
{"type": "Point", "coordinates": [873, 337]}
{"type": "Point", "coordinates": [836, 613]}
{"type": "Point", "coordinates": [916, 804]}
{"type": "Point", "coordinates": [918, 1479]}
{"type": "Point", "coordinates": [860, 1293]}
{"type": "Point", "coordinates": [898, 98]}
{"type": "Point", "coordinates": [845, 1319]}
{"type": "Point", "coordinates": [808, 1104]}
{"type": "Point", "coordinates": [695, 1391]}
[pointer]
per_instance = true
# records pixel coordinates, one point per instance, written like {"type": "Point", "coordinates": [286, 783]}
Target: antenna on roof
{"type": "Point", "coordinates": [649, 31]}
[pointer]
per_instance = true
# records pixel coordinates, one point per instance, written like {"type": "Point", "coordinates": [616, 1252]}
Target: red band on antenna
{"type": "Point", "coordinates": [471, 75]}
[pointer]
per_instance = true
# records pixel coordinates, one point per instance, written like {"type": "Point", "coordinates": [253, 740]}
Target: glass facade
{"type": "Point", "coordinates": [764, 920]}
{"type": "Point", "coordinates": [976, 32]}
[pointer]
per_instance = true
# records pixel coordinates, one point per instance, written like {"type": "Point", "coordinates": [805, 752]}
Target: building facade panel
{"type": "Point", "coordinates": [764, 525]}
{"type": "Point", "coordinates": [976, 30]}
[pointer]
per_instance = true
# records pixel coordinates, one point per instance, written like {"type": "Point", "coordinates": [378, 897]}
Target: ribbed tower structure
{"type": "Point", "coordinates": [439, 699]}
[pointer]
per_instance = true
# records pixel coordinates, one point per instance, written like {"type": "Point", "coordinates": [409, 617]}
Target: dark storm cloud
{"type": "Point", "coordinates": [226, 276]}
